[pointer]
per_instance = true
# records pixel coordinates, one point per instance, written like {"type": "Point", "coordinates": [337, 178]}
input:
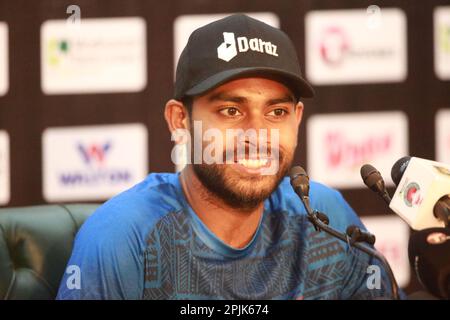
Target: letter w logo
{"type": "Point", "coordinates": [94, 153]}
{"type": "Point", "coordinates": [227, 49]}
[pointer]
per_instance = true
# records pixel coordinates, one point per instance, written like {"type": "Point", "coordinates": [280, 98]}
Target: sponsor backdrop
{"type": "Point", "coordinates": [81, 103]}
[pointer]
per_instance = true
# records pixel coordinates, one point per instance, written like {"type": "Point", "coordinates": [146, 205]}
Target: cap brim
{"type": "Point", "coordinates": [300, 87]}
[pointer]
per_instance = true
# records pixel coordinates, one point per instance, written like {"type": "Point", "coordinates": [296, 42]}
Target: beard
{"type": "Point", "coordinates": [244, 192]}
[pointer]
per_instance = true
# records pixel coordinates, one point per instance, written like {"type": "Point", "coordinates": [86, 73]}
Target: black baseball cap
{"type": "Point", "coordinates": [236, 47]}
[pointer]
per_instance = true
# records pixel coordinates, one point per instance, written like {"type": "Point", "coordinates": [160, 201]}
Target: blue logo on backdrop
{"type": "Point", "coordinates": [96, 171]}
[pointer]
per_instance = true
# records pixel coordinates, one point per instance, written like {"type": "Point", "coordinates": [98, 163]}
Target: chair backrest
{"type": "Point", "coordinates": [35, 245]}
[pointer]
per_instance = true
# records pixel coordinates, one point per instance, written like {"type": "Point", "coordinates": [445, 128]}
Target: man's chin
{"type": "Point", "coordinates": [254, 190]}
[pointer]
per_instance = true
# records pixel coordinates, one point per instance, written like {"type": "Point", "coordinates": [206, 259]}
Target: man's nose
{"type": "Point", "coordinates": [257, 133]}
{"type": "Point", "coordinates": [255, 121]}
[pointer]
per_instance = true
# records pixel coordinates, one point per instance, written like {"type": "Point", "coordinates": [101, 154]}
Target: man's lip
{"type": "Point", "coordinates": [253, 157]}
{"type": "Point", "coordinates": [252, 166]}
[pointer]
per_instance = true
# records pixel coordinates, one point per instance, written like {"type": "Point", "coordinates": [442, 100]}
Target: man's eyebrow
{"type": "Point", "coordinates": [286, 98]}
{"type": "Point", "coordinates": [223, 96]}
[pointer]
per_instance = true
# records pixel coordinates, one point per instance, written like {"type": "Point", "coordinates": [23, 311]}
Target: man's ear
{"type": "Point", "coordinates": [299, 112]}
{"type": "Point", "coordinates": [176, 115]}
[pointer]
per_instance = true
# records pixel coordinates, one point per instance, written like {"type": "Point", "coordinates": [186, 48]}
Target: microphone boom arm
{"type": "Point", "coordinates": [313, 217]}
{"type": "Point", "coordinates": [319, 225]}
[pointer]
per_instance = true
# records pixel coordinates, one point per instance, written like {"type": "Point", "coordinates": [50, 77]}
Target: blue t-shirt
{"type": "Point", "coordinates": [148, 243]}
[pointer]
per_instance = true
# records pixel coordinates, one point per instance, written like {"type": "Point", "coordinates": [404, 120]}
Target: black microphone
{"type": "Point", "coordinates": [398, 169]}
{"type": "Point", "coordinates": [356, 234]}
{"type": "Point", "coordinates": [441, 210]}
{"type": "Point", "coordinates": [429, 248]}
{"type": "Point", "coordinates": [374, 181]}
{"type": "Point", "coordinates": [300, 184]}
{"type": "Point", "coordinates": [429, 256]}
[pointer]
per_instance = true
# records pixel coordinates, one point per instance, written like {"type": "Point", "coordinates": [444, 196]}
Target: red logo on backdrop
{"type": "Point", "coordinates": [390, 250]}
{"type": "Point", "coordinates": [334, 45]}
{"type": "Point", "coordinates": [343, 152]}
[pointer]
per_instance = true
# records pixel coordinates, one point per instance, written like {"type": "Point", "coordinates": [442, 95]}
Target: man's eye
{"type": "Point", "coordinates": [230, 112]}
{"type": "Point", "coordinates": [277, 112]}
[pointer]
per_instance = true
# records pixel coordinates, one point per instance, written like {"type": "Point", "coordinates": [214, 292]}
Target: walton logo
{"type": "Point", "coordinates": [94, 153]}
{"type": "Point", "coordinates": [96, 173]}
{"type": "Point", "coordinates": [229, 48]}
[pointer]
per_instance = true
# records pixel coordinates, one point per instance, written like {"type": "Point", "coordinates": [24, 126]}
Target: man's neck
{"type": "Point", "coordinates": [233, 226]}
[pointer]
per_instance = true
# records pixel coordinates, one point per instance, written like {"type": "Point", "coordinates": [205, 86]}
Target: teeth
{"type": "Point", "coordinates": [253, 163]}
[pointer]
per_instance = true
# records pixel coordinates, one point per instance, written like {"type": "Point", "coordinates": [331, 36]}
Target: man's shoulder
{"type": "Point", "coordinates": [135, 211]}
{"type": "Point", "coordinates": [319, 194]}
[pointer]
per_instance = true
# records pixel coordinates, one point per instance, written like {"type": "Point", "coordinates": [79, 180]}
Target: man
{"type": "Point", "coordinates": [230, 229]}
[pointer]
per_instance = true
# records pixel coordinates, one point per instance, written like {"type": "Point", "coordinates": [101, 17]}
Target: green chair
{"type": "Point", "coordinates": [35, 245]}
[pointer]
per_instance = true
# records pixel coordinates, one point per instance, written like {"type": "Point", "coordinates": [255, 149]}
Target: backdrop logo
{"type": "Point", "coordinates": [4, 168]}
{"type": "Point", "coordinates": [339, 144]}
{"type": "Point", "coordinates": [334, 45]}
{"type": "Point", "coordinates": [444, 38]}
{"type": "Point", "coordinates": [342, 151]}
{"type": "Point", "coordinates": [392, 239]}
{"type": "Point", "coordinates": [441, 17]}
{"type": "Point", "coordinates": [93, 162]}
{"type": "Point", "coordinates": [355, 46]}
{"type": "Point", "coordinates": [98, 55]}
{"type": "Point", "coordinates": [94, 153]}
{"type": "Point", "coordinates": [4, 63]}
{"type": "Point", "coordinates": [442, 135]}
{"type": "Point", "coordinates": [96, 172]}
{"type": "Point", "coordinates": [58, 49]}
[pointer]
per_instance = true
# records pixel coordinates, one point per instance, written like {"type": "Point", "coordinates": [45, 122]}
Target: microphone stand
{"type": "Point", "coordinates": [320, 225]}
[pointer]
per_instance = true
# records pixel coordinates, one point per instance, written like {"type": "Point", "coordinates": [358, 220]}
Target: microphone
{"type": "Point", "coordinates": [418, 179]}
{"type": "Point", "coordinates": [429, 256]}
{"type": "Point", "coordinates": [356, 234]}
{"type": "Point", "coordinates": [374, 181]}
{"type": "Point", "coordinates": [398, 169]}
{"type": "Point", "coordinates": [422, 197]}
{"type": "Point", "coordinates": [300, 184]}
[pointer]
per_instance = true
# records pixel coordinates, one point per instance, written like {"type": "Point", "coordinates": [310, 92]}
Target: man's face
{"type": "Point", "coordinates": [243, 104]}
